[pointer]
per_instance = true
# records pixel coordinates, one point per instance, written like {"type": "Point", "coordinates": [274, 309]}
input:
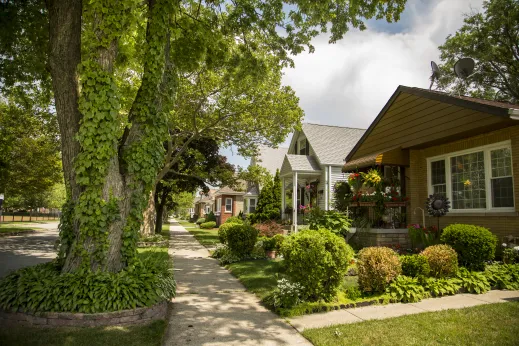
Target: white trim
{"type": "Point", "coordinates": [226, 199]}
{"type": "Point", "coordinates": [249, 204]}
{"type": "Point", "coordinates": [486, 149]}
{"type": "Point", "coordinates": [218, 205]}
{"type": "Point", "coordinates": [326, 188]}
{"type": "Point", "coordinates": [330, 192]}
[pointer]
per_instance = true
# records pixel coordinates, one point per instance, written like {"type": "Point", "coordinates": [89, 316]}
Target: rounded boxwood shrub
{"type": "Point", "coordinates": [241, 238]}
{"type": "Point", "coordinates": [474, 244]}
{"type": "Point", "coordinates": [200, 221]}
{"type": "Point", "coordinates": [442, 259]}
{"type": "Point", "coordinates": [415, 266]}
{"type": "Point", "coordinates": [234, 219]}
{"type": "Point", "coordinates": [317, 260]}
{"type": "Point", "coordinates": [377, 268]}
{"type": "Point", "coordinates": [222, 231]}
{"type": "Point", "coordinates": [208, 225]}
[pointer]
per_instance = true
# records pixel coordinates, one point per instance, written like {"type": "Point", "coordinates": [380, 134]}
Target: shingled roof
{"type": "Point", "coordinates": [300, 163]}
{"type": "Point", "coordinates": [271, 158]}
{"type": "Point", "coordinates": [331, 143]}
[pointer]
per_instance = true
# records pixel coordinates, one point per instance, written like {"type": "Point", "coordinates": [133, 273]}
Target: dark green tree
{"type": "Point", "coordinates": [491, 39]}
{"type": "Point", "coordinates": [269, 202]}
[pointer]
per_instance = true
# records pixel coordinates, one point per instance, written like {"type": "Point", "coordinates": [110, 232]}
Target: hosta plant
{"type": "Point", "coordinates": [407, 290]}
{"type": "Point", "coordinates": [473, 282]}
{"type": "Point", "coordinates": [442, 286]}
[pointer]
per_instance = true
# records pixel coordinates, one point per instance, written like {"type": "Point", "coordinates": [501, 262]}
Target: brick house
{"type": "Point", "coordinates": [463, 147]}
{"type": "Point", "coordinates": [228, 202]}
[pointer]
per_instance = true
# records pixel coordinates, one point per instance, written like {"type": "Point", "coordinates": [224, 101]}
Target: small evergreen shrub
{"type": "Point", "coordinates": [241, 239]}
{"type": "Point", "coordinates": [442, 259]}
{"type": "Point", "coordinates": [208, 225]}
{"type": "Point", "coordinates": [234, 219]}
{"type": "Point", "coordinates": [222, 231]}
{"type": "Point", "coordinates": [269, 228]}
{"type": "Point", "coordinates": [317, 260]}
{"type": "Point", "coordinates": [415, 266]}
{"type": "Point", "coordinates": [225, 255]}
{"type": "Point", "coordinates": [377, 268]}
{"type": "Point", "coordinates": [210, 217]}
{"type": "Point", "coordinates": [407, 290]}
{"type": "Point", "coordinates": [200, 221]}
{"type": "Point", "coordinates": [474, 244]}
{"type": "Point", "coordinates": [278, 240]}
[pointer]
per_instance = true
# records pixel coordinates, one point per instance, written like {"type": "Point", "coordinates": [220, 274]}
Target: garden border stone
{"type": "Point", "coordinates": [137, 316]}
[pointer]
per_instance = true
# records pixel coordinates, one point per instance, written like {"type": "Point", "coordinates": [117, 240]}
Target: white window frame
{"type": "Point", "coordinates": [486, 149]}
{"type": "Point", "coordinates": [249, 204]}
{"type": "Point", "coordinates": [226, 210]}
{"type": "Point", "coordinates": [218, 205]}
{"type": "Point", "coordinates": [301, 146]}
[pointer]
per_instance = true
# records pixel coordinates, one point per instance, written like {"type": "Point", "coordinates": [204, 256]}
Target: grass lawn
{"type": "Point", "coordinates": [260, 277]}
{"type": "Point", "coordinates": [148, 335]}
{"type": "Point", "coordinates": [12, 227]}
{"type": "Point", "coordinates": [206, 237]}
{"type": "Point", "coordinates": [492, 324]}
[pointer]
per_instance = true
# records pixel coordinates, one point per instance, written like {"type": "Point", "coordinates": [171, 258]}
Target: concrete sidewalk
{"type": "Point", "coordinates": [378, 312]}
{"type": "Point", "coordinates": [212, 306]}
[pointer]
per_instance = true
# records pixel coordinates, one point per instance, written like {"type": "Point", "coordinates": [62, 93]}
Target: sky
{"type": "Point", "coordinates": [348, 83]}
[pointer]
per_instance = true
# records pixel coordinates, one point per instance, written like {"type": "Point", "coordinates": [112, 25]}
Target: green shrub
{"type": "Point", "coordinates": [473, 282]}
{"type": "Point", "coordinates": [210, 217]}
{"type": "Point", "coordinates": [222, 231]}
{"type": "Point", "coordinates": [278, 240]}
{"type": "Point", "coordinates": [241, 239]}
{"type": "Point", "coordinates": [200, 221]}
{"type": "Point", "coordinates": [45, 288]}
{"type": "Point", "coordinates": [442, 286]}
{"type": "Point", "coordinates": [337, 222]}
{"type": "Point", "coordinates": [208, 225]}
{"type": "Point", "coordinates": [503, 277]}
{"type": "Point", "coordinates": [474, 244]}
{"type": "Point", "coordinates": [511, 255]}
{"type": "Point", "coordinates": [442, 259]}
{"type": "Point", "coordinates": [225, 255]}
{"type": "Point", "coordinates": [415, 266]}
{"type": "Point", "coordinates": [235, 219]}
{"type": "Point", "coordinates": [407, 290]}
{"type": "Point", "coordinates": [377, 267]}
{"type": "Point", "coordinates": [318, 260]}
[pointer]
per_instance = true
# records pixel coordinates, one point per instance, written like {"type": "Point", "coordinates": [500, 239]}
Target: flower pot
{"type": "Point", "coordinates": [270, 254]}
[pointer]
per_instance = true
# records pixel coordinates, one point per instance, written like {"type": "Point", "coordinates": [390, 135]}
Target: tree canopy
{"type": "Point", "coordinates": [491, 38]}
{"type": "Point", "coordinates": [128, 76]}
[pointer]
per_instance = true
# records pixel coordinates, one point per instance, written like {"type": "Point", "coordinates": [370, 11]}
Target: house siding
{"type": "Point", "coordinates": [501, 224]}
{"type": "Point", "coordinates": [337, 175]}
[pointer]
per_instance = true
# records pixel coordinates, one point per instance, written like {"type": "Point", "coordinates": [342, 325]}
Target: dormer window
{"type": "Point", "coordinates": [302, 147]}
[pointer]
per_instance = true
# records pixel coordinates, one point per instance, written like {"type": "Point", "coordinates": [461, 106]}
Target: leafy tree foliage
{"type": "Point", "coordinates": [29, 157]}
{"type": "Point", "coordinates": [491, 39]}
{"type": "Point", "coordinates": [116, 68]}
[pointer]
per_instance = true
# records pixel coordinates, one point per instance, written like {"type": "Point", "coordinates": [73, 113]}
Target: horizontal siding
{"type": "Point", "coordinates": [413, 120]}
{"type": "Point", "coordinates": [322, 186]}
{"type": "Point", "coordinates": [337, 175]}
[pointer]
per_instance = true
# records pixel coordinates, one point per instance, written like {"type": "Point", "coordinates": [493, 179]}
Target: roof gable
{"type": "Point", "coordinates": [414, 116]}
{"type": "Point", "coordinates": [270, 158]}
{"type": "Point", "coordinates": [299, 163]}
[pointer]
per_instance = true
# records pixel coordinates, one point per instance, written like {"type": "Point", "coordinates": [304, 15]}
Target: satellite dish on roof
{"type": "Point", "coordinates": [435, 73]}
{"type": "Point", "coordinates": [464, 67]}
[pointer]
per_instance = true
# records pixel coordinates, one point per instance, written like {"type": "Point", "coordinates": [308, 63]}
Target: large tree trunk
{"type": "Point", "coordinates": [64, 58]}
{"type": "Point", "coordinates": [110, 246]}
{"type": "Point", "coordinates": [148, 224]}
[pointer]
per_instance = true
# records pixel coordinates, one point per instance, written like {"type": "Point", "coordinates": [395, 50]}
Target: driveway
{"type": "Point", "coordinates": [28, 249]}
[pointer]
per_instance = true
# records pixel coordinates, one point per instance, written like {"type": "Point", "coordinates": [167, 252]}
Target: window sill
{"type": "Point", "coordinates": [483, 213]}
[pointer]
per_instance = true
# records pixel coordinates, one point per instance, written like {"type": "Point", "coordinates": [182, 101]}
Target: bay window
{"type": "Point", "coordinates": [478, 179]}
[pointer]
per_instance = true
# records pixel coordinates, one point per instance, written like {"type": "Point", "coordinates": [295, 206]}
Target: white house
{"type": "Point", "coordinates": [314, 161]}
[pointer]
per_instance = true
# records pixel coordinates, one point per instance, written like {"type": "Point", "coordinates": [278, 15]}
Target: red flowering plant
{"type": "Point", "coordinates": [422, 237]}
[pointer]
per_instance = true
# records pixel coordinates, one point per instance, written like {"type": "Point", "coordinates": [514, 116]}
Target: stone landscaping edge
{"type": "Point", "coordinates": [153, 244]}
{"type": "Point", "coordinates": [6, 234]}
{"type": "Point", "coordinates": [137, 316]}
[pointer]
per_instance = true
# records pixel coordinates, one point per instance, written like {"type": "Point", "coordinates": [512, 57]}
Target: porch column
{"type": "Point", "coordinates": [294, 202]}
{"type": "Point", "coordinates": [329, 185]}
{"type": "Point", "coordinates": [283, 198]}
{"type": "Point", "coordinates": [326, 186]}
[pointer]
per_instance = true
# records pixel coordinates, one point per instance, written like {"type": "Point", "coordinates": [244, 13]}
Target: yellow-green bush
{"type": "Point", "coordinates": [377, 267]}
{"type": "Point", "coordinates": [442, 259]}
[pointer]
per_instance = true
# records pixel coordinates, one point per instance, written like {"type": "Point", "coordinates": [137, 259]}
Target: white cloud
{"type": "Point", "coordinates": [348, 83]}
